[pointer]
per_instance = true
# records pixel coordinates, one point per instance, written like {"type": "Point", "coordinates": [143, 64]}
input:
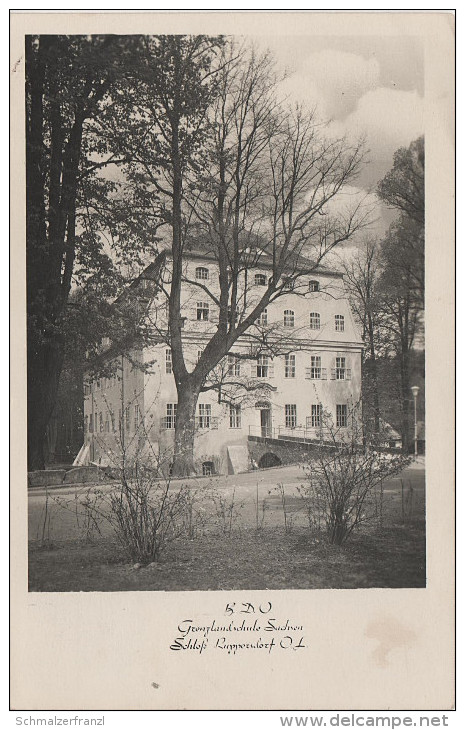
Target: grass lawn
{"type": "Point", "coordinates": [387, 556]}
{"type": "Point", "coordinates": [391, 557]}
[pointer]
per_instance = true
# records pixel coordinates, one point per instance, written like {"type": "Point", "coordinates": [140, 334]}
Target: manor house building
{"type": "Point", "coordinates": [312, 367]}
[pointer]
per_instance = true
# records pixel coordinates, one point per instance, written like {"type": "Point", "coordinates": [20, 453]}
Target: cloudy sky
{"type": "Point", "coordinates": [371, 85]}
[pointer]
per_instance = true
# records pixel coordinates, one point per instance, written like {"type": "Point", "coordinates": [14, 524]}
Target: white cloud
{"type": "Point", "coordinates": [334, 80]}
{"type": "Point", "coordinates": [369, 205]}
{"type": "Point", "coordinates": [389, 114]}
{"type": "Point", "coordinates": [345, 87]}
{"type": "Point", "coordinates": [389, 119]}
{"type": "Point", "coordinates": [341, 78]}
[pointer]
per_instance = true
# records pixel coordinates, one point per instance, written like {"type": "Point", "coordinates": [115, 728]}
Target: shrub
{"type": "Point", "coordinates": [346, 470]}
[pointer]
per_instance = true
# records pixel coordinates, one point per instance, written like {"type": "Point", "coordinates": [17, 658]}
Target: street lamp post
{"type": "Point", "coordinates": [415, 390]}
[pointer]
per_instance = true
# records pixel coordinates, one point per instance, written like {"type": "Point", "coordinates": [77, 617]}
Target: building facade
{"type": "Point", "coordinates": [311, 365]}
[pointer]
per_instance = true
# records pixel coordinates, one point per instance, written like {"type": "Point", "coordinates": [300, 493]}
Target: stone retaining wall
{"type": "Point", "coordinates": [57, 477]}
{"type": "Point", "coordinates": [288, 452]}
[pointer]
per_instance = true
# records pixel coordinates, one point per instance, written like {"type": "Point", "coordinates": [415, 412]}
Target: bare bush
{"type": "Point", "coordinates": [343, 477]}
{"type": "Point", "coordinates": [289, 517]}
{"type": "Point", "coordinates": [260, 510]}
{"type": "Point", "coordinates": [227, 510]}
{"type": "Point", "coordinates": [146, 515]}
{"type": "Point", "coordinates": [195, 516]}
{"type": "Point", "coordinates": [44, 527]}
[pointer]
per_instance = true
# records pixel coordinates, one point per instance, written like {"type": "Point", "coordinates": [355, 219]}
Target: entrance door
{"type": "Point", "coordinates": [265, 421]}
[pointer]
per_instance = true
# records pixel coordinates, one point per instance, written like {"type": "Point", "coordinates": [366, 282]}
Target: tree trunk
{"type": "Point", "coordinates": [52, 438]}
{"type": "Point", "coordinates": [44, 370]}
{"type": "Point", "coordinates": [405, 394]}
{"type": "Point", "coordinates": [376, 409]}
{"type": "Point", "coordinates": [183, 462]}
{"type": "Point", "coordinates": [374, 373]}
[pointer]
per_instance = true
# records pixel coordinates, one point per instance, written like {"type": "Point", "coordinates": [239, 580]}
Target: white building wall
{"type": "Point", "coordinates": [151, 388]}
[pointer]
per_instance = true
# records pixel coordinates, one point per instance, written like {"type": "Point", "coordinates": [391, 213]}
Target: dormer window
{"type": "Point", "coordinates": [202, 272]}
{"type": "Point", "coordinates": [260, 280]}
{"type": "Point", "coordinates": [313, 286]}
{"type": "Point", "coordinates": [339, 322]}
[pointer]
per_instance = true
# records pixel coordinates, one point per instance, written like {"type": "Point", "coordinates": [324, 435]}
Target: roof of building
{"type": "Point", "coordinates": [259, 253]}
{"type": "Point", "coordinates": [254, 252]}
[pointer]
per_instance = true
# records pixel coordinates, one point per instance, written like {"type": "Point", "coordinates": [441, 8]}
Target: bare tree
{"type": "Point", "coordinates": [249, 182]}
{"type": "Point", "coordinates": [268, 175]}
{"type": "Point", "coordinates": [362, 276]}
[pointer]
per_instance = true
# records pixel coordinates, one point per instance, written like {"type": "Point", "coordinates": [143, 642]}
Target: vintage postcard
{"type": "Point", "coordinates": [232, 360]}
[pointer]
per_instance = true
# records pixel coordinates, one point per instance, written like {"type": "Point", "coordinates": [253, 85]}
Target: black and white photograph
{"type": "Point", "coordinates": [225, 236]}
{"type": "Point", "coordinates": [225, 272]}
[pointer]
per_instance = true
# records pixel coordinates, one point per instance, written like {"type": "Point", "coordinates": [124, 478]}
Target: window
{"type": "Point", "coordinates": [289, 366]}
{"type": "Point", "coordinates": [263, 318]}
{"type": "Point", "coordinates": [112, 418]}
{"type": "Point", "coordinates": [168, 362]}
{"type": "Point", "coordinates": [202, 272]}
{"type": "Point", "coordinates": [340, 368]}
{"type": "Point", "coordinates": [205, 413]}
{"type": "Point", "coordinates": [315, 367]}
{"type": "Point", "coordinates": [291, 415]}
{"type": "Point", "coordinates": [203, 309]}
{"type": "Point", "coordinates": [339, 322]}
{"type": "Point", "coordinates": [199, 354]}
{"type": "Point", "coordinates": [234, 416]}
{"type": "Point", "coordinates": [107, 423]}
{"type": "Point", "coordinates": [86, 424]}
{"type": "Point", "coordinates": [262, 366]}
{"type": "Point", "coordinates": [341, 415]}
{"type": "Point", "coordinates": [260, 280]}
{"type": "Point", "coordinates": [314, 321]}
{"type": "Point", "coordinates": [127, 413]}
{"type": "Point", "coordinates": [136, 417]}
{"type": "Point", "coordinates": [100, 420]}
{"type": "Point", "coordinates": [170, 418]}
{"type": "Point", "coordinates": [313, 286]}
{"type": "Point", "coordinates": [288, 318]}
{"type": "Point", "coordinates": [234, 366]}
{"type": "Point", "coordinates": [317, 412]}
